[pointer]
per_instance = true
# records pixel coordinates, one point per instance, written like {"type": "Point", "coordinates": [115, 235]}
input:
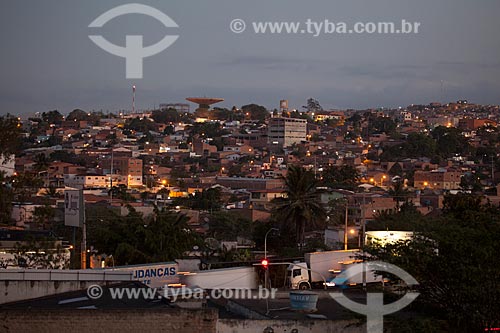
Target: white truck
{"type": "Point", "coordinates": [339, 279]}
{"type": "Point", "coordinates": [223, 278]}
{"type": "Point", "coordinates": [320, 269]}
{"type": "Point", "coordinates": [317, 268]}
{"type": "Point", "coordinates": [154, 275]}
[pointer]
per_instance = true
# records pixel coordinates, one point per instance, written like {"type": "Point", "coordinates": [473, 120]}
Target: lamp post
{"type": "Point", "coordinates": [265, 241]}
{"type": "Point", "coordinates": [265, 256]}
{"type": "Point", "coordinates": [345, 230]}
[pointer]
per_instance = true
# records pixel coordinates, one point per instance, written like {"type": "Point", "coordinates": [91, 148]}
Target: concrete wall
{"type": "Point", "coordinates": [133, 320]}
{"type": "Point", "coordinates": [13, 291]}
{"type": "Point", "coordinates": [286, 326]}
{"type": "Point", "coordinates": [21, 284]}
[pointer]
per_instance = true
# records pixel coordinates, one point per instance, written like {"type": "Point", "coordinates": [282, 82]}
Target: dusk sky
{"type": "Point", "coordinates": [48, 61]}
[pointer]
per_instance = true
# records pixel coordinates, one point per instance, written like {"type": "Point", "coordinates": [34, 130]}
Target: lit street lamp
{"type": "Point", "coordinates": [382, 180]}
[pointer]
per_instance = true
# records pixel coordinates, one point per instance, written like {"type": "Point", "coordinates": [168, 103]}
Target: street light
{"type": "Point", "coordinates": [265, 241]}
{"type": "Point", "coordinates": [265, 262]}
{"type": "Point", "coordinates": [382, 180]}
{"type": "Point", "coordinates": [345, 230]}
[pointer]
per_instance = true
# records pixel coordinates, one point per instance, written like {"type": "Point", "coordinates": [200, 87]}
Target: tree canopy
{"type": "Point", "coordinates": [300, 210]}
{"type": "Point", "coordinates": [133, 240]}
{"type": "Point", "coordinates": [344, 177]}
{"type": "Point", "coordinates": [454, 258]}
{"type": "Point", "coordinates": [255, 112]}
{"type": "Point", "coordinates": [10, 131]}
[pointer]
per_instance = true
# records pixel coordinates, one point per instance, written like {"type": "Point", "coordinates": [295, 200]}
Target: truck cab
{"type": "Point", "coordinates": [298, 276]}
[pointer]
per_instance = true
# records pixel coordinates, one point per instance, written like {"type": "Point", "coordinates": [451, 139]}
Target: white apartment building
{"type": "Point", "coordinates": [286, 131]}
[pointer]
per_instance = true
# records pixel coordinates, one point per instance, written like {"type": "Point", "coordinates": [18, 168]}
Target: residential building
{"type": "Point", "coordinates": [440, 179]}
{"type": "Point", "coordinates": [286, 131]}
{"type": "Point", "coordinates": [179, 107]}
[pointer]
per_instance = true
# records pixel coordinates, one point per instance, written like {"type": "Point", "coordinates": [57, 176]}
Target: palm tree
{"type": "Point", "coordinates": [399, 193]}
{"type": "Point", "coordinates": [168, 236]}
{"type": "Point", "coordinates": [301, 208]}
{"type": "Point", "coordinates": [41, 163]}
{"type": "Point", "coordinates": [51, 191]}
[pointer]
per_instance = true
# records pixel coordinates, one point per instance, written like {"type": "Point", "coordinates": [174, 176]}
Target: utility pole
{"type": "Point", "coordinates": [363, 222]}
{"type": "Point", "coordinates": [492, 170]}
{"type": "Point", "coordinates": [314, 166]}
{"type": "Point", "coordinates": [265, 256]}
{"type": "Point", "coordinates": [133, 99]}
{"type": "Point", "coordinates": [111, 179]}
{"type": "Point", "coordinates": [84, 238]}
{"type": "Point", "coordinates": [345, 229]}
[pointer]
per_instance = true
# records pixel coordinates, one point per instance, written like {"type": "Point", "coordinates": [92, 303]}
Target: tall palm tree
{"type": "Point", "coordinates": [301, 208]}
{"type": "Point", "coordinates": [41, 163]}
{"type": "Point", "coordinates": [399, 193]}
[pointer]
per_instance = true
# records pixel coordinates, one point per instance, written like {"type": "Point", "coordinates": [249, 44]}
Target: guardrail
{"type": "Point", "coordinates": [63, 275]}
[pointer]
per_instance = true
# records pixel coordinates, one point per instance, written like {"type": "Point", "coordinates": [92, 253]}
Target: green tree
{"type": "Point", "coordinates": [235, 170]}
{"type": "Point", "coordinates": [208, 130]}
{"type": "Point", "coordinates": [398, 192]}
{"type": "Point", "coordinates": [471, 182]}
{"type": "Point", "coordinates": [78, 115]}
{"type": "Point", "coordinates": [312, 106]}
{"type": "Point", "coordinates": [228, 115]}
{"type": "Point", "coordinates": [64, 156]}
{"type": "Point", "coordinates": [121, 192]}
{"type": "Point", "coordinates": [52, 117]}
{"type": "Point", "coordinates": [166, 116]}
{"type": "Point", "coordinates": [25, 185]}
{"type": "Point", "coordinates": [344, 177]}
{"type": "Point", "coordinates": [336, 211]}
{"type": "Point", "coordinates": [450, 141]}
{"type": "Point", "coordinates": [133, 240]}
{"type": "Point", "coordinates": [209, 199]}
{"type": "Point", "coordinates": [225, 226]}
{"type": "Point", "coordinates": [6, 198]}
{"type": "Point", "coordinates": [40, 254]}
{"type": "Point", "coordinates": [51, 191]}
{"type": "Point", "coordinates": [416, 145]}
{"type": "Point", "coordinates": [10, 131]}
{"type": "Point", "coordinates": [140, 125]}
{"type": "Point", "coordinates": [455, 260]}
{"type": "Point", "coordinates": [255, 112]}
{"type": "Point", "coordinates": [168, 236]}
{"type": "Point", "coordinates": [301, 209]}
{"type": "Point", "coordinates": [381, 124]}
{"type": "Point", "coordinates": [43, 216]}
{"type": "Point", "coordinates": [41, 163]}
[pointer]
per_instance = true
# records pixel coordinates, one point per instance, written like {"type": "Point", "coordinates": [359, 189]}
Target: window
{"type": "Point", "coordinates": [297, 272]}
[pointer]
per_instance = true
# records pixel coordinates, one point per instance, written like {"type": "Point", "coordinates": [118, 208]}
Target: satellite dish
{"type": "Point", "coordinates": [212, 243]}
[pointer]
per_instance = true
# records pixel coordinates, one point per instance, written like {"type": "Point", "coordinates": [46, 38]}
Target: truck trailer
{"type": "Point", "coordinates": [317, 268]}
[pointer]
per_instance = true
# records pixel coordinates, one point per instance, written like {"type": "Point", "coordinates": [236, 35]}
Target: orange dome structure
{"type": "Point", "coordinates": [204, 104]}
